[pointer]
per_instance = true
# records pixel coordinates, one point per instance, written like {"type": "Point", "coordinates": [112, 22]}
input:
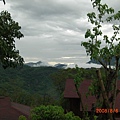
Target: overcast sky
{"type": "Point", "coordinates": [53, 29]}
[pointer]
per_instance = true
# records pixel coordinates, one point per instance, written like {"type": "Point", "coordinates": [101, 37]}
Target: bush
{"type": "Point", "coordinates": [71, 116]}
{"type": "Point", "coordinates": [48, 113]}
{"type": "Point", "coordinates": [51, 113]}
{"type": "Point", "coordinates": [22, 117]}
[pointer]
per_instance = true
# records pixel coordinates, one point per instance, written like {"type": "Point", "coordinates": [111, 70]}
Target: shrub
{"type": "Point", "coordinates": [71, 116]}
{"type": "Point", "coordinates": [48, 113]}
{"type": "Point", "coordinates": [52, 113]}
{"type": "Point", "coordinates": [22, 117]}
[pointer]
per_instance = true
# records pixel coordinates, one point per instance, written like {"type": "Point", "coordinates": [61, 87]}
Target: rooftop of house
{"type": "Point", "coordinates": [70, 92]}
{"type": "Point", "coordinates": [11, 111]}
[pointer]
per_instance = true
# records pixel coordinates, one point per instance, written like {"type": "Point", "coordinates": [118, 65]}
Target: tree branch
{"type": "Point", "coordinates": [104, 94]}
{"type": "Point", "coordinates": [103, 64]}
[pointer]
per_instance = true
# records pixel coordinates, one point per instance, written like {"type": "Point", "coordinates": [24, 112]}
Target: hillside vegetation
{"type": "Point", "coordinates": [25, 83]}
{"type": "Point", "coordinates": [34, 86]}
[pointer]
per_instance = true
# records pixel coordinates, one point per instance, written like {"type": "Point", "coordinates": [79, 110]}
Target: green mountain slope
{"type": "Point", "coordinates": [27, 81]}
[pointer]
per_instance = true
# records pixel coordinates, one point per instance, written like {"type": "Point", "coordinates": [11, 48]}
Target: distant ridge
{"type": "Point", "coordinates": [43, 64]}
{"type": "Point", "coordinates": [60, 65]}
{"type": "Point", "coordinates": [37, 64]}
{"type": "Point", "coordinates": [112, 62]}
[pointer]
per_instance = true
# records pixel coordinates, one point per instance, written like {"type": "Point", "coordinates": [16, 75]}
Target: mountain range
{"type": "Point", "coordinates": [112, 62]}
{"type": "Point", "coordinates": [43, 64]}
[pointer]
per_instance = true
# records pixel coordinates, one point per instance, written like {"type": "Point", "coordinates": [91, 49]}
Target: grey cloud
{"type": "Point", "coordinates": [53, 29]}
{"type": "Point", "coordinates": [45, 17]}
{"type": "Point", "coordinates": [49, 7]}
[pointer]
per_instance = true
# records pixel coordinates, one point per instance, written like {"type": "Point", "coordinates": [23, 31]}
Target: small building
{"type": "Point", "coordinates": [74, 101]}
{"type": "Point", "coordinates": [11, 111]}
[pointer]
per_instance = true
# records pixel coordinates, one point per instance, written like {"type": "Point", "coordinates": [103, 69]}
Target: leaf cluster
{"type": "Point", "coordinates": [103, 48]}
{"type": "Point", "coordinates": [100, 47]}
{"type": "Point", "coordinates": [51, 113]}
{"type": "Point", "coordinates": [22, 117]}
{"type": "Point", "coordinates": [9, 31]}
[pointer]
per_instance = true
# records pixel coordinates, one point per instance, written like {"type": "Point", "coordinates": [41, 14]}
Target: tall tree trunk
{"type": "Point", "coordinates": [115, 82]}
{"type": "Point", "coordinates": [104, 94]}
{"type": "Point", "coordinates": [81, 102]}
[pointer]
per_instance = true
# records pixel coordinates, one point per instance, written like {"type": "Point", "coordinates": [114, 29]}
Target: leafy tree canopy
{"type": "Point", "coordinates": [94, 47]}
{"type": "Point", "coordinates": [103, 48]}
{"type": "Point", "coordinates": [9, 31]}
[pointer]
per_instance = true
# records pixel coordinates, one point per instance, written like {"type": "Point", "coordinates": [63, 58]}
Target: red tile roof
{"type": "Point", "coordinates": [22, 108]}
{"type": "Point", "coordinates": [70, 92]}
{"type": "Point", "coordinates": [12, 111]}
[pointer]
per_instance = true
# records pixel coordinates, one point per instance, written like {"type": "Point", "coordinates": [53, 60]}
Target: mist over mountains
{"type": "Point", "coordinates": [45, 64]}
{"type": "Point", "coordinates": [88, 64]}
{"type": "Point", "coordinates": [112, 62]}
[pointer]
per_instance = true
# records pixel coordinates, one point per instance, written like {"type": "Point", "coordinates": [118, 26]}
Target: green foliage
{"type": "Point", "coordinates": [71, 116]}
{"type": "Point", "coordinates": [27, 85]}
{"type": "Point", "coordinates": [94, 46]}
{"type": "Point", "coordinates": [34, 86]}
{"type": "Point", "coordinates": [95, 117]}
{"type": "Point", "coordinates": [102, 48]}
{"type": "Point", "coordinates": [22, 117]}
{"type": "Point", "coordinates": [59, 77]}
{"type": "Point", "coordinates": [47, 113]}
{"type": "Point", "coordinates": [9, 31]}
{"type": "Point", "coordinates": [78, 76]}
{"type": "Point", "coordinates": [51, 113]}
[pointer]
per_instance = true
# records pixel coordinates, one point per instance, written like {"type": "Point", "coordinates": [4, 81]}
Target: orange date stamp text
{"type": "Point", "coordinates": [101, 110]}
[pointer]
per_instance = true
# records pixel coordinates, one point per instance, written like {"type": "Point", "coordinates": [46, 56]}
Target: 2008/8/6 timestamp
{"type": "Point", "coordinates": [101, 110]}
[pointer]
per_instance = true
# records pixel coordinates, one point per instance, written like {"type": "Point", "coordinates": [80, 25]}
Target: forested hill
{"type": "Point", "coordinates": [27, 80]}
{"type": "Point", "coordinates": [37, 85]}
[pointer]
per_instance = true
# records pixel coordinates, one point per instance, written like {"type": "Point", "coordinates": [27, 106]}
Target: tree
{"type": "Point", "coordinates": [9, 31]}
{"type": "Point", "coordinates": [105, 86]}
